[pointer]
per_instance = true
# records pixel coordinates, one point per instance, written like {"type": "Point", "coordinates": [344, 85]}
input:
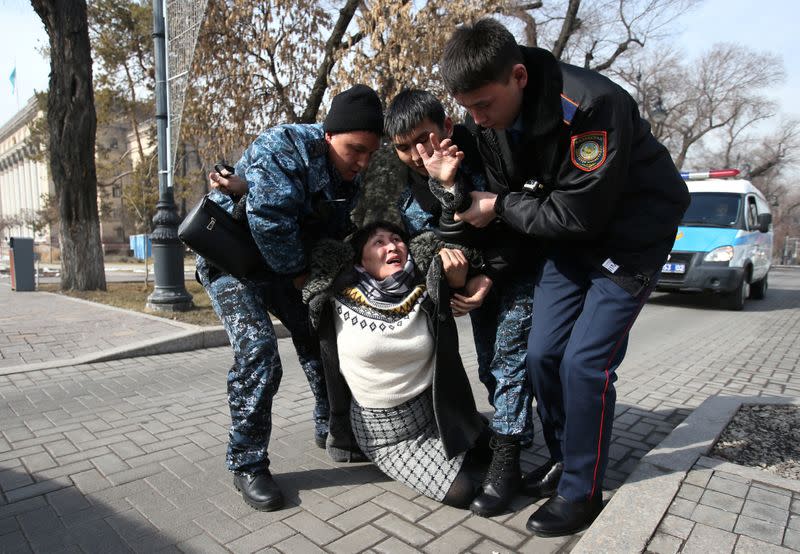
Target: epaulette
{"type": "Point", "coordinates": [568, 107]}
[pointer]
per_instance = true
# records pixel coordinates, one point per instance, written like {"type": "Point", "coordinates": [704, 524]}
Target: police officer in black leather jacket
{"type": "Point", "coordinates": [569, 161]}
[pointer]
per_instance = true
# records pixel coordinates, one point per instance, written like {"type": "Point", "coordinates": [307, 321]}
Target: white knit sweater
{"type": "Point", "coordinates": [386, 354]}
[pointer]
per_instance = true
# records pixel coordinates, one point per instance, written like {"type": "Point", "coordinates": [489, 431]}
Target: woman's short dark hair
{"type": "Point", "coordinates": [410, 108]}
{"type": "Point", "coordinates": [359, 239]}
{"type": "Point", "coordinates": [477, 55]}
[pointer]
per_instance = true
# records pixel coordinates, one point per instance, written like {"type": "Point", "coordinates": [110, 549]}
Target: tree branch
{"type": "Point", "coordinates": [331, 48]}
{"type": "Point", "coordinates": [569, 26]}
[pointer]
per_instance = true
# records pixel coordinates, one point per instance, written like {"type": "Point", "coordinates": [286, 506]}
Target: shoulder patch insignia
{"type": "Point", "coordinates": [588, 150]}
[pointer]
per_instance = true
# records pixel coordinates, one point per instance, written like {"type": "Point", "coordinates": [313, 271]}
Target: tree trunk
{"type": "Point", "coordinates": [72, 122]}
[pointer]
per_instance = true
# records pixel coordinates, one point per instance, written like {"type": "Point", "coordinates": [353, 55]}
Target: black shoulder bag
{"type": "Point", "coordinates": [221, 238]}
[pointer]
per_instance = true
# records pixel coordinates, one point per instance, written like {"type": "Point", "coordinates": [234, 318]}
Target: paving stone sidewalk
{"type": "Point", "coordinates": [40, 327]}
{"type": "Point", "coordinates": [719, 510]}
{"type": "Point", "coordinates": [127, 455]}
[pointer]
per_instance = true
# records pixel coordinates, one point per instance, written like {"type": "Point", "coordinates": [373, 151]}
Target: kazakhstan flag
{"type": "Point", "coordinates": [13, 79]}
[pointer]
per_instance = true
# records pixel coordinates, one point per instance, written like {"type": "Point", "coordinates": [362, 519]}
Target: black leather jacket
{"type": "Point", "coordinates": [587, 175]}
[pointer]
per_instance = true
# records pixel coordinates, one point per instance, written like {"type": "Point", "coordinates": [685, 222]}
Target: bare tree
{"type": "Point", "coordinates": [595, 34]}
{"type": "Point", "coordinates": [777, 150]}
{"type": "Point", "coordinates": [718, 95]}
{"type": "Point", "coordinates": [260, 63]}
{"type": "Point", "coordinates": [772, 165]}
{"type": "Point", "coordinates": [402, 43]}
{"type": "Point", "coordinates": [71, 123]}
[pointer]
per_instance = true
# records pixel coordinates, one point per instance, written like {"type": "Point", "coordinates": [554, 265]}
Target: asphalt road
{"type": "Point", "coordinates": [673, 317]}
{"type": "Point", "coordinates": [684, 347]}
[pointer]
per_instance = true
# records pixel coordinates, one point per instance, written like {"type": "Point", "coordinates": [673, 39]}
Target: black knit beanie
{"type": "Point", "coordinates": [356, 109]}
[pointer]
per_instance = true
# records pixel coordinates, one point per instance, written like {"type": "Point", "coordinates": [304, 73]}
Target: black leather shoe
{"type": "Point", "coordinates": [502, 478]}
{"type": "Point", "coordinates": [542, 482]}
{"type": "Point", "coordinates": [259, 490]}
{"type": "Point", "coordinates": [558, 516]}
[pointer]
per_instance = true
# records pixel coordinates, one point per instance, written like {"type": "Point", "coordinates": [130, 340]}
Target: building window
{"type": "Point", "coordinates": [116, 191]}
{"type": "Point", "coordinates": [113, 144]}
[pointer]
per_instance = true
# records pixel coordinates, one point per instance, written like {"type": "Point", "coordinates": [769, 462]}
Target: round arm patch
{"type": "Point", "coordinates": [588, 150]}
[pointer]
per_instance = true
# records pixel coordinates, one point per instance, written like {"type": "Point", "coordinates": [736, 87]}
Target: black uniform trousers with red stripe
{"type": "Point", "coordinates": [578, 339]}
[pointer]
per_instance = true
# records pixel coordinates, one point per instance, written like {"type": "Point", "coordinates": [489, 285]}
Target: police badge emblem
{"type": "Point", "coordinates": [588, 151]}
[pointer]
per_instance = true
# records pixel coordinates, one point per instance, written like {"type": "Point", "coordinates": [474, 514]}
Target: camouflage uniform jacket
{"type": "Point", "coordinates": [295, 196]}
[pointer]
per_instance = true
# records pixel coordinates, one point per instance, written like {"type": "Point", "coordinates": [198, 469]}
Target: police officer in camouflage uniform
{"type": "Point", "coordinates": [497, 296]}
{"type": "Point", "coordinates": [299, 184]}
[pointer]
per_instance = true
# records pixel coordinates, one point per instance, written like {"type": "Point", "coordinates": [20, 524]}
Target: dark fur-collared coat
{"type": "Point", "coordinates": [454, 407]}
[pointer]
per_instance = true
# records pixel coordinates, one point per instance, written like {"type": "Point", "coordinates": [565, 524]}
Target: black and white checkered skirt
{"type": "Point", "coordinates": [404, 443]}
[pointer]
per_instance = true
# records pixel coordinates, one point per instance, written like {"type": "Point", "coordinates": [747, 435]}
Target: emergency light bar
{"type": "Point", "coordinates": [712, 174]}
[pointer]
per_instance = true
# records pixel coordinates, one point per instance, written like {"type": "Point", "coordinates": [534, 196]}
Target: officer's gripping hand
{"type": "Point", "coordinates": [227, 184]}
{"type": "Point", "coordinates": [481, 212]}
{"type": "Point", "coordinates": [454, 267]}
{"type": "Point", "coordinates": [475, 292]}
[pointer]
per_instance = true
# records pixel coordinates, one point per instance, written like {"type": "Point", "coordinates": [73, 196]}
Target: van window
{"type": "Point", "coordinates": [713, 209]}
{"type": "Point", "coordinates": [752, 213]}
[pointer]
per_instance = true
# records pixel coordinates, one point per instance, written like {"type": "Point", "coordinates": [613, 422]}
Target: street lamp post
{"type": "Point", "coordinates": [651, 104]}
{"type": "Point", "coordinates": [169, 294]}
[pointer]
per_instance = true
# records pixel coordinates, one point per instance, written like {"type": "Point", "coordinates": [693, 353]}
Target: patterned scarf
{"type": "Point", "coordinates": [390, 290]}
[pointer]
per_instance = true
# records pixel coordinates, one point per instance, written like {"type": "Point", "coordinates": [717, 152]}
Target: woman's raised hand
{"type": "Point", "coordinates": [441, 160]}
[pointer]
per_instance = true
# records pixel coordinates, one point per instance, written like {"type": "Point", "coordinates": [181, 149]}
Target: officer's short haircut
{"type": "Point", "coordinates": [361, 237]}
{"type": "Point", "coordinates": [477, 55]}
{"type": "Point", "coordinates": [410, 108]}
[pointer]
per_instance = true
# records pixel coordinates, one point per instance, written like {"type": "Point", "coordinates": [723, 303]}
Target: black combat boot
{"type": "Point", "coordinates": [502, 479]}
{"type": "Point", "coordinates": [259, 490]}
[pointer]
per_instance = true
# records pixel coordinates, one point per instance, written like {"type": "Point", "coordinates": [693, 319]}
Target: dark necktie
{"type": "Point", "coordinates": [514, 137]}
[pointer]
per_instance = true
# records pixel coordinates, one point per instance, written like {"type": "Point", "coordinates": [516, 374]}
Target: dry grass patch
{"type": "Point", "coordinates": [133, 296]}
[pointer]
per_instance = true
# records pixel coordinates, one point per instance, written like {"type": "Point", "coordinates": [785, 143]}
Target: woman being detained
{"type": "Point", "coordinates": [396, 383]}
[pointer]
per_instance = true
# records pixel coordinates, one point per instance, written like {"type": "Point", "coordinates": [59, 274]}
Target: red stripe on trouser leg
{"type": "Point", "coordinates": [645, 296]}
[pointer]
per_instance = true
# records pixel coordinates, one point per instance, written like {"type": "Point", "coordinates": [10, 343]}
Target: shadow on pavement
{"type": "Point", "coordinates": [140, 516]}
{"type": "Point", "coordinates": [320, 479]}
{"type": "Point", "coordinates": [637, 430]}
{"type": "Point", "coordinates": [67, 520]}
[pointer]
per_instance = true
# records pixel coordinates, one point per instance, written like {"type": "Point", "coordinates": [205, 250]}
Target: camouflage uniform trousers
{"type": "Point", "coordinates": [243, 307]}
{"type": "Point", "coordinates": [500, 329]}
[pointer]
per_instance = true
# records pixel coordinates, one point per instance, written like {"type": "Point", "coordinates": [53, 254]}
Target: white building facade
{"type": "Point", "coordinates": [23, 179]}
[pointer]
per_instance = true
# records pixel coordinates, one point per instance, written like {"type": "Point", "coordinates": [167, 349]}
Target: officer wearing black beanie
{"type": "Point", "coordinates": [356, 109]}
{"type": "Point", "coordinates": [299, 182]}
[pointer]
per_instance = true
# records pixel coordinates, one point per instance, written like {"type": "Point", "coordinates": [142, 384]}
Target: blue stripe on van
{"type": "Point", "coordinates": [705, 239]}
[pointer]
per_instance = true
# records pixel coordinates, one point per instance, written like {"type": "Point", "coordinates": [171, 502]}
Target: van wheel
{"type": "Point", "coordinates": [758, 290]}
{"type": "Point", "coordinates": [734, 300]}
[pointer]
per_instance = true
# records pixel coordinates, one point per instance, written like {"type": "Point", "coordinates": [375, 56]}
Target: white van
{"type": "Point", "coordinates": [724, 242]}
